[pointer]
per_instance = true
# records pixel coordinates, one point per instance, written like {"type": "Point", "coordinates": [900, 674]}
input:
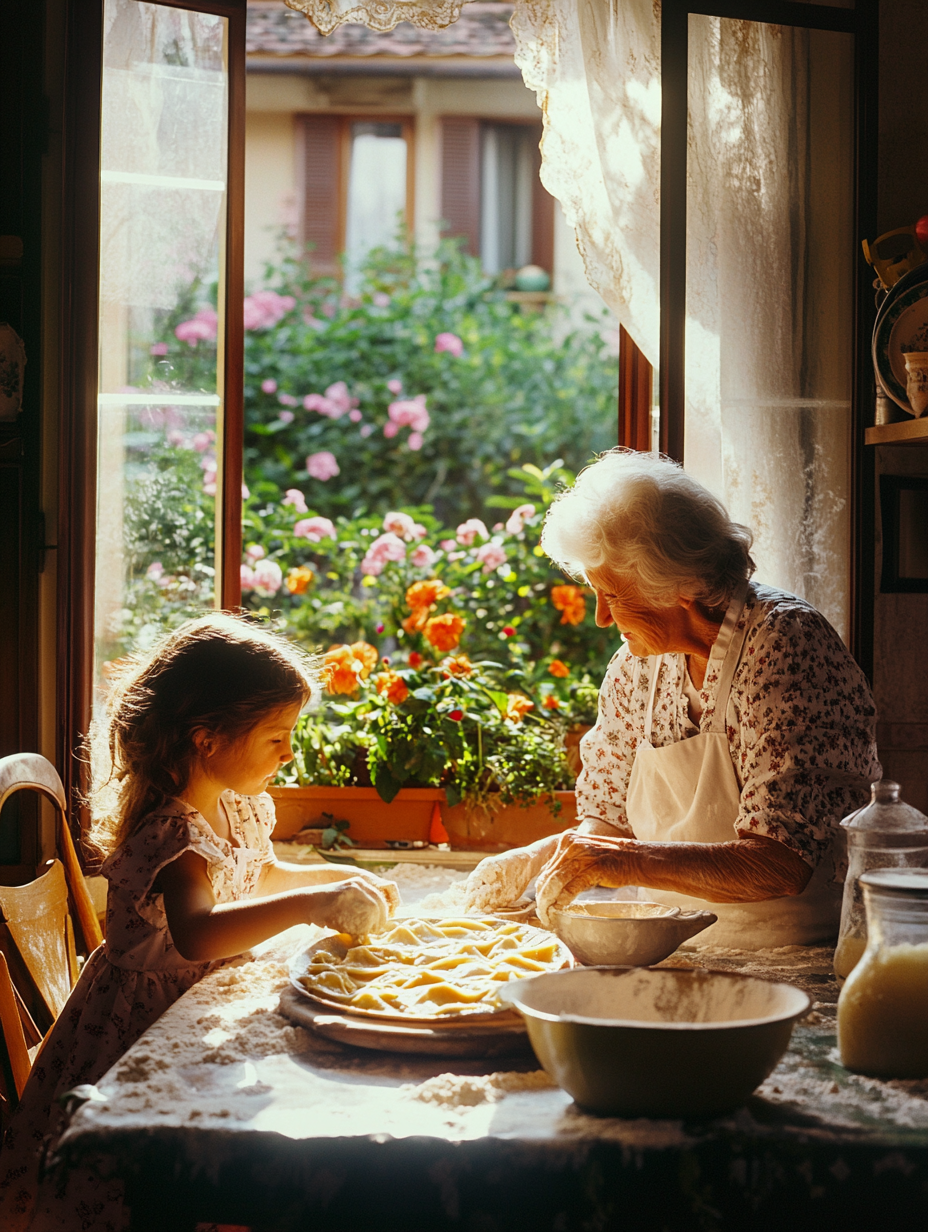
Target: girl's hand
{"type": "Point", "coordinates": [279, 877]}
{"type": "Point", "coordinates": [354, 906]}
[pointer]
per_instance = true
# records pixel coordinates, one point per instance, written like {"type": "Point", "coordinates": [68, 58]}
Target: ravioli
{"type": "Point", "coordinates": [432, 968]}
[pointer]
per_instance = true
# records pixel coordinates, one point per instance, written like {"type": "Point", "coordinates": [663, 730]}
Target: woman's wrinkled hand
{"type": "Point", "coordinates": [579, 862]}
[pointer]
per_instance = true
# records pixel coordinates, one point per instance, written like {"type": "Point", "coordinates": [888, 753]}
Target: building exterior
{"type": "Point", "coordinates": [347, 134]}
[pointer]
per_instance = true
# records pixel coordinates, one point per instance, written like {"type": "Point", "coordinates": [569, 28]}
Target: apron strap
{"type": "Point", "coordinates": [654, 666]}
{"type": "Point", "coordinates": [729, 667]}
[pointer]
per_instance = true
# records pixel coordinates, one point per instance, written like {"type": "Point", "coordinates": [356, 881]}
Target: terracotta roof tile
{"type": "Point", "coordinates": [482, 30]}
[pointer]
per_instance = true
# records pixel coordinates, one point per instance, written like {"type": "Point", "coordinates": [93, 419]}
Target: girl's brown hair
{"type": "Point", "coordinates": [220, 674]}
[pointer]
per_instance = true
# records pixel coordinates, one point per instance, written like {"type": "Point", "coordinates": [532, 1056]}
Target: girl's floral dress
{"type": "Point", "coordinates": [126, 984]}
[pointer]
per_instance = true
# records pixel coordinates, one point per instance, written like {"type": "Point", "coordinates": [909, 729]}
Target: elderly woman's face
{"type": "Point", "coordinates": [646, 629]}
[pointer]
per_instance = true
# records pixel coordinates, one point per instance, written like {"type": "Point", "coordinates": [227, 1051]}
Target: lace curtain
{"type": "Point", "coordinates": [769, 240]}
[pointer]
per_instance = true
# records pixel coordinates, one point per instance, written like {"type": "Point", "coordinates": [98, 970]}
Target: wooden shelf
{"type": "Point", "coordinates": [910, 432]}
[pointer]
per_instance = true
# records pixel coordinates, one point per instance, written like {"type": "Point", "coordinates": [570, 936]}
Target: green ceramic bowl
{"type": "Point", "coordinates": [643, 1042]}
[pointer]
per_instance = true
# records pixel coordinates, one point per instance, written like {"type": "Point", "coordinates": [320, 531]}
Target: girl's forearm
{"type": "Point", "coordinates": [278, 878]}
{"type": "Point", "coordinates": [227, 929]}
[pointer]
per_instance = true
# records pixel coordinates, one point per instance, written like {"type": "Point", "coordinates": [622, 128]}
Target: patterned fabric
{"type": "Point", "coordinates": [801, 725]}
{"type": "Point", "coordinates": [126, 984]}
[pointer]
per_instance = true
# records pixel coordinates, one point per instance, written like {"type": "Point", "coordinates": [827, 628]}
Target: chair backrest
{"type": "Point", "coordinates": [31, 771]}
{"type": "Point", "coordinates": [39, 924]}
{"type": "Point", "coordinates": [11, 1026]}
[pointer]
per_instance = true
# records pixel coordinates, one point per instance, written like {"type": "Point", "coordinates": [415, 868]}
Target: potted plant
{"type": "Point", "coordinates": [404, 740]}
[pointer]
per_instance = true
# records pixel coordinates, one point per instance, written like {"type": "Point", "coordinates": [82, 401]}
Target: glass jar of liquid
{"type": "Point", "coordinates": [887, 833]}
{"type": "Point", "coordinates": [883, 1006]}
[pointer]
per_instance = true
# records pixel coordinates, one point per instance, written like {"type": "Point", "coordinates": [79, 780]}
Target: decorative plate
{"type": "Point", "coordinates": [901, 325]}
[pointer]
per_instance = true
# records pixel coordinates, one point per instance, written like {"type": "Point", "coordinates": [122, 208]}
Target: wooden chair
{"type": "Point", "coordinates": [19, 1055]}
{"type": "Point", "coordinates": [30, 771]}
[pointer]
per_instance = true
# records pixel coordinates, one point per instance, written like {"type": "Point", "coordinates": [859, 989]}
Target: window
{"type": "Point", "coordinates": [491, 195]}
{"type": "Point", "coordinates": [356, 184]}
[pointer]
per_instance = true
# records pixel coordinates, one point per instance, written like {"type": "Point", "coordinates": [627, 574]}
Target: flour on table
{"type": "Point", "coordinates": [463, 1091]}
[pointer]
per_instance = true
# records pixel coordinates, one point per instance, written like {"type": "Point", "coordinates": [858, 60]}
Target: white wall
{"type": "Point", "coordinates": [273, 99]}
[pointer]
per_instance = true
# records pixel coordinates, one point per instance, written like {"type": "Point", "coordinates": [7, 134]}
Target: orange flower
{"type": "Point", "coordinates": [367, 656]}
{"type": "Point", "coordinates": [341, 669]}
{"type": "Point", "coordinates": [415, 660]}
{"type": "Point", "coordinates": [559, 669]}
{"type": "Point", "coordinates": [456, 665]}
{"type": "Point", "coordinates": [550, 702]}
{"type": "Point", "coordinates": [444, 632]}
{"type": "Point", "coordinates": [299, 579]}
{"type": "Point", "coordinates": [570, 601]}
{"type": "Point", "coordinates": [421, 598]}
{"type": "Point", "coordinates": [517, 706]}
{"type": "Point", "coordinates": [393, 687]}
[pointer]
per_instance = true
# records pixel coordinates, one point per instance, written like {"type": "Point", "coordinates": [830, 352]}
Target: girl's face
{"type": "Point", "coordinates": [248, 765]}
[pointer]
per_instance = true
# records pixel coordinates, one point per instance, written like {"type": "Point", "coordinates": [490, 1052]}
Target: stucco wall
{"type": "Point", "coordinates": [273, 99]}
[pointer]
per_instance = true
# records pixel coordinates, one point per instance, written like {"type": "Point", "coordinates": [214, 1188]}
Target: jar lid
{"type": "Point", "coordinates": [887, 812]}
{"type": "Point", "coordinates": [899, 882]}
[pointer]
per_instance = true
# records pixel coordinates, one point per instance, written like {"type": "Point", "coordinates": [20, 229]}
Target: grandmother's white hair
{"type": "Point", "coordinates": [642, 516]}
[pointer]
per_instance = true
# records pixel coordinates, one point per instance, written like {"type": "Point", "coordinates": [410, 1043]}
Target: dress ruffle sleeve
{"type": "Point", "coordinates": [135, 865]}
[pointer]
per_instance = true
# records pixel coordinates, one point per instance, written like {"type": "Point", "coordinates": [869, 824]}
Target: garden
{"type": "Point", "coordinates": [401, 448]}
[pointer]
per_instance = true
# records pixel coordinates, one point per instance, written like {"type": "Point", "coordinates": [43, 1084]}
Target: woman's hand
{"type": "Point", "coordinates": [746, 870]}
{"type": "Point", "coordinates": [500, 880]}
{"type": "Point", "coordinates": [579, 862]}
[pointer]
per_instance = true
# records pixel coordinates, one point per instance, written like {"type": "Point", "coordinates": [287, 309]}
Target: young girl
{"type": "Point", "coordinates": [195, 733]}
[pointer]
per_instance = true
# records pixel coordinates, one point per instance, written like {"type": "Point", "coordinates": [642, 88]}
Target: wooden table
{"type": "Point", "coordinates": [223, 1111]}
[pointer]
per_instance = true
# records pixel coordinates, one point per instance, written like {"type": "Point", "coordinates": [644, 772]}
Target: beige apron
{"type": "Point", "coordinates": [688, 792]}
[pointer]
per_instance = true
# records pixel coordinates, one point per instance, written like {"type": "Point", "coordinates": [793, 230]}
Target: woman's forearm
{"type": "Point", "coordinates": [742, 871]}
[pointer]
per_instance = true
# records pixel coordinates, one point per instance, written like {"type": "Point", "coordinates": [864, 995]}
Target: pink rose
{"type": "Point", "coordinates": [491, 556]}
{"type": "Point", "coordinates": [155, 570]}
{"type": "Point", "coordinates": [450, 343]}
{"type": "Point", "coordinates": [447, 544]}
{"type": "Point", "coordinates": [248, 577]}
{"type": "Point", "coordinates": [468, 531]}
{"type": "Point", "coordinates": [254, 551]}
{"type": "Point", "coordinates": [287, 400]}
{"type": "Point", "coordinates": [415, 441]}
{"type": "Point", "coordinates": [268, 577]}
{"type": "Point", "coordinates": [322, 465]}
{"type": "Point", "coordinates": [202, 326]}
{"type": "Point", "coordinates": [419, 531]}
{"type": "Point", "coordinates": [295, 498]}
{"type": "Point", "coordinates": [400, 524]}
{"type": "Point", "coordinates": [176, 438]}
{"type": "Point", "coordinates": [390, 429]}
{"type": "Point", "coordinates": [385, 547]}
{"type": "Point", "coordinates": [266, 308]}
{"type": "Point", "coordinates": [365, 430]}
{"type": "Point", "coordinates": [158, 348]}
{"type": "Point", "coordinates": [202, 441]}
{"type": "Point", "coordinates": [395, 386]}
{"type": "Point", "coordinates": [314, 529]}
{"type": "Point", "coordinates": [286, 417]}
{"type": "Point", "coordinates": [517, 519]}
{"type": "Point", "coordinates": [423, 556]}
{"type": "Point", "coordinates": [409, 412]}
{"type": "Point", "coordinates": [269, 386]}
{"type": "Point", "coordinates": [355, 416]}
{"type": "Point", "coordinates": [371, 566]}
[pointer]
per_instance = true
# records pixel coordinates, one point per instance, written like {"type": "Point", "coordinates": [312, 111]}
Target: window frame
{"type": "Point", "coordinates": [78, 377]}
{"type": "Point", "coordinates": [862, 23]}
{"type": "Point", "coordinates": [344, 120]}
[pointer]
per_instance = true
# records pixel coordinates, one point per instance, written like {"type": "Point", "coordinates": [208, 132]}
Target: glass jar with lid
{"type": "Point", "coordinates": [887, 833]}
{"type": "Point", "coordinates": [883, 1006]}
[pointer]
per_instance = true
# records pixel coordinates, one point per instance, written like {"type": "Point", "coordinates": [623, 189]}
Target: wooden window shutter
{"type": "Point", "coordinates": [542, 221]}
{"type": "Point", "coordinates": [635, 376]}
{"type": "Point", "coordinates": [460, 179]}
{"type": "Point", "coordinates": [322, 189]}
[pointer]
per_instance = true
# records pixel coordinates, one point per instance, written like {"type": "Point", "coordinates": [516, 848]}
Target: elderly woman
{"type": "Point", "coordinates": [734, 728]}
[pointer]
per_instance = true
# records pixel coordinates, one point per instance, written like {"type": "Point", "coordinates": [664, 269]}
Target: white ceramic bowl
{"type": "Point", "coordinates": [634, 934]}
{"type": "Point", "coordinates": [636, 1042]}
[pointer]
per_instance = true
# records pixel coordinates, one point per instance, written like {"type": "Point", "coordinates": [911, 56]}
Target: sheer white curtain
{"type": "Point", "coordinates": [769, 267]}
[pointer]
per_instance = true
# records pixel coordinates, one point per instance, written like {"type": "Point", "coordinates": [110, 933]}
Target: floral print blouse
{"type": "Point", "coordinates": [801, 725]}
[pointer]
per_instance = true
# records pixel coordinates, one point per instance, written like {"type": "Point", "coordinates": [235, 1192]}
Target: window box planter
{"type": "Point", "coordinates": [407, 818]}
